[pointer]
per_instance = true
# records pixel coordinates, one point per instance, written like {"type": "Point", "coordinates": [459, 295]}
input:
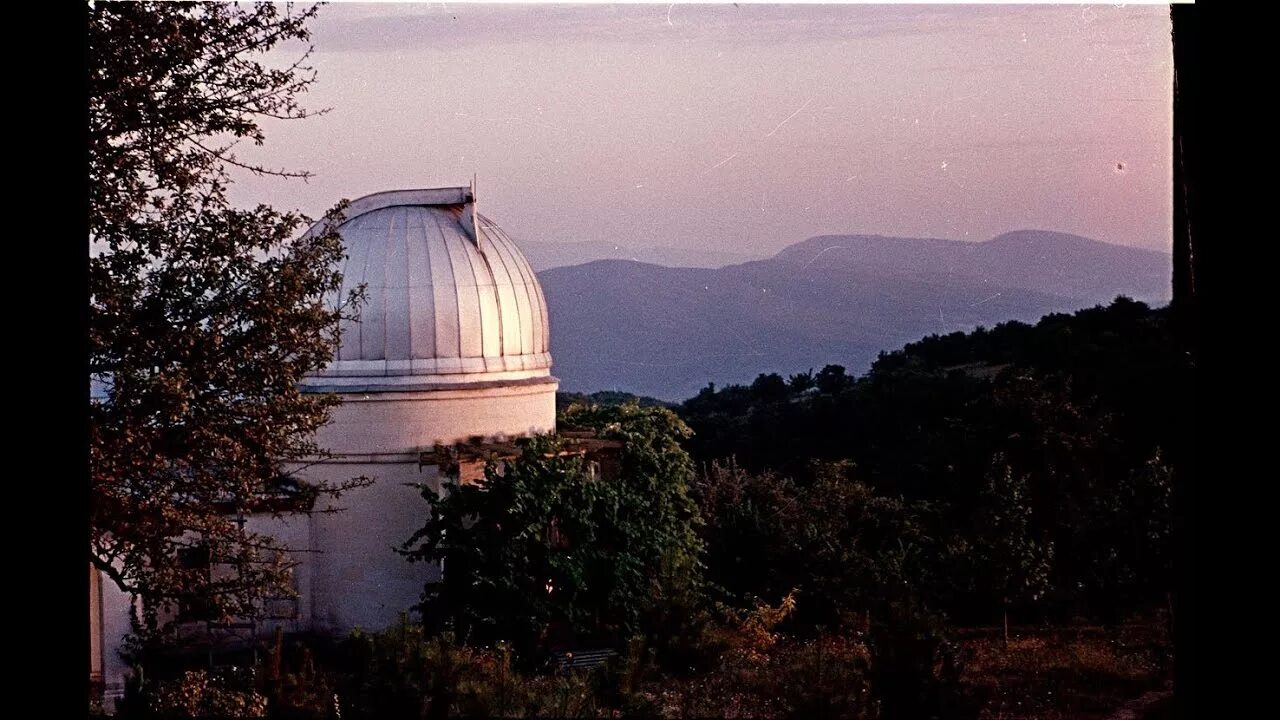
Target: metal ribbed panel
{"type": "Point", "coordinates": [468, 300]}
{"type": "Point", "coordinates": [504, 280]}
{"type": "Point", "coordinates": [437, 301]}
{"type": "Point", "coordinates": [486, 294]}
{"type": "Point", "coordinates": [444, 289]}
{"type": "Point", "coordinates": [545, 346]}
{"type": "Point", "coordinates": [529, 295]}
{"type": "Point", "coordinates": [373, 322]}
{"type": "Point", "coordinates": [422, 304]}
{"type": "Point", "coordinates": [352, 278]}
{"type": "Point", "coordinates": [536, 299]}
{"type": "Point", "coordinates": [525, 313]}
{"type": "Point", "coordinates": [396, 270]}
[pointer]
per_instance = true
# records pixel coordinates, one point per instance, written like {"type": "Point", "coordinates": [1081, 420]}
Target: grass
{"type": "Point", "coordinates": [1045, 673]}
{"type": "Point", "coordinates": [1083, 673]}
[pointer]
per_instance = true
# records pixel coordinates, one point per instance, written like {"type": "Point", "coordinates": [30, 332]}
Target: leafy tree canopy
{"type": "Point", "coordinates": [203, 317]}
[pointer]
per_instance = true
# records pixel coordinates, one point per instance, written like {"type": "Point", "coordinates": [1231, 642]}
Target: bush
{"type": "Point", "coordinates": [824, 677]}
{"type": "Point", "coordinates": [404, 673]}
{"type": "Point", "coordinates": [408, 673]}
{"type": "Point", "coordinates": [297, 689]}
{"type": "Point", "coordinates": [542, 552]}
{"type": "Point", "coordinates": [916, 666]}
{"type": "Point", "coordinates": [196, 694]}
{"type": "Point", "coordinates": [836, 540]}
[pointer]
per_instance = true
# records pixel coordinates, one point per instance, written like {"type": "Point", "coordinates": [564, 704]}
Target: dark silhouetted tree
{"type": "Point", "coordinates": [832, 379]}
{"type": "Point", "coordinates": [801, 382]}
{"type": "Point", "coordinates": [770, 388]}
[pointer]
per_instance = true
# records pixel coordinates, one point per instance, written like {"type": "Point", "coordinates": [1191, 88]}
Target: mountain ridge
{"type": "Point", "coordinates": [546, 255]}
{"type": "Point", "coordinates": [1043, 260]}
{"type": "Point", "coordinates": [666, 332]}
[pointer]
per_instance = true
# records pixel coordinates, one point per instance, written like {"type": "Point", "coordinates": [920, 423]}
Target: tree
{"type": "Point", "coordinates": [202, 317]}
{"type": "Point", "coordinates": [801, 383]}
{"type": "Point", "coordinates": [844, 547]}
{"type": "Point", "coordinates": [1128, 540]}
{"type": "Point", "coordinates": [770, 388]}
{"type": "Point", "coordinates": [832, 379]}
{"type": "Point", "coordinates": [541, 547]}
{"type": "Point", "coordinates": [1011, 563]}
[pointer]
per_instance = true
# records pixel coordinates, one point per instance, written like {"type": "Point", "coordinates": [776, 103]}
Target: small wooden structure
{"type": "Point", "coordinates": [467, 461]}
{"type": "Point", "coordinates": [582, 659]}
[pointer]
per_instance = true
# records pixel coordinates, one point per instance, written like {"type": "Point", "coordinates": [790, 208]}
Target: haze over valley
{"type": "Point", "coordinates": [666, 332]}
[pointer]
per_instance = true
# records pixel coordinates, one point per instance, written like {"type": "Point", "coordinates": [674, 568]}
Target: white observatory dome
{"type": "Point", "coordinates": [451, 347]}
{"type": "Point", "coordinates": [449, 298]}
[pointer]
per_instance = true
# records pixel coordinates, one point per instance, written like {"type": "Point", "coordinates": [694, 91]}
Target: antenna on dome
{"type": "Point", "coordinates": [469, 223]}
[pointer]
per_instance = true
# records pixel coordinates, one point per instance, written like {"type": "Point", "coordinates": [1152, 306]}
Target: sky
{"type": "Point", "coordinates": [742, 129]}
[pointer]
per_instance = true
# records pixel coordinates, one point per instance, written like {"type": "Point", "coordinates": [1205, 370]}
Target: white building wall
{"type": "Point", "coordinates": [294, 533]}
{"type": "Point", "coordinates": [407, 422]}
{"type": "Point", "coordinates": [116, 626]}
{"type": "Point", "coordinates": [358, 580]}
{"type": "Point", "coordinates": [349, 575]}
{"type": "Point", "coordinates": [95, 624]}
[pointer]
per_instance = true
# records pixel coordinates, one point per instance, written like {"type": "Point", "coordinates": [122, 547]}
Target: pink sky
{"type": "Point", "coordinates": [744, 128]}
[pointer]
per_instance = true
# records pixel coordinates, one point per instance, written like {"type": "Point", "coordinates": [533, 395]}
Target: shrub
{"type": "Point", "coordinates": [916, 667]}
{"type": "Point", "coordinates": [403, 673]}
{"type": "Point", "coordinates": [196, 694]}
{"type": "Point", "coordinates": [541, 550]}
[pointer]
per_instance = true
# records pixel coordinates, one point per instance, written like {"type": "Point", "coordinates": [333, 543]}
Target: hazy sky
{"type": "Point", "coordinates": [744, 128]}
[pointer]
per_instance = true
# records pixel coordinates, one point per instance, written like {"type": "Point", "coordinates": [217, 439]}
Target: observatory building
{"type": "Point", "coordinates": [451, 346]}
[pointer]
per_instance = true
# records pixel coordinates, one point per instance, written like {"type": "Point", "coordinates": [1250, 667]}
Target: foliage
{"type": "Point", "coordinates": [677, 625]}
{"type": "Point", "coordinates": [1077, 406]}
{"type": "Point", "coordinates": [832, 380]}
{"type": "Point", "coordinates": [862, 562]}
{"type": "Point", "coordinates": [541, 553]}
{"type": "Point", "coordinates": [1009, 562]}
{"type": "Point", "coordinates": [605, 397]}
{"type": "Point", "coordinates": [916, 665]}
{"type": "Point", "coordinates": [296, 687]}
{"type": "Point", "coordinates": [202, 317]}
{"type": "Point", "coordinates": [406, 672]}
{"type": "Point", "coordinates": [195, 694]}
{"type": "Point", "coordinates": [1130, 535]}
{"type": "Point", "coordinates": [820, 677]}
{"type": "Point", "coordinates": [749, 668]}
{"type": "Point", "coordinates": [834, 539]}
{"type": "Point", "coordinates": [1076, 673]}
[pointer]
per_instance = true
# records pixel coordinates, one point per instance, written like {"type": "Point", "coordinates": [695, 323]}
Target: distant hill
{"type": "Point", "coordinates": [1048, 262]}
{"type": "Point", "coordinates": [606, 397]}
{"type": "Point", "coordinates": [666, 332]}
{"type": "Point", "coordinates": [547, 255]}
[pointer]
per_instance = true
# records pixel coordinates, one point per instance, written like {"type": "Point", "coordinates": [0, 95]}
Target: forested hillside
{"type": "Point", "coordinates": [1051, 437]}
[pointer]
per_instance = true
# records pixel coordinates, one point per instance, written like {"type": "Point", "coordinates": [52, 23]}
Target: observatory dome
{"type": "Point", "coordinates": [449, 297]}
